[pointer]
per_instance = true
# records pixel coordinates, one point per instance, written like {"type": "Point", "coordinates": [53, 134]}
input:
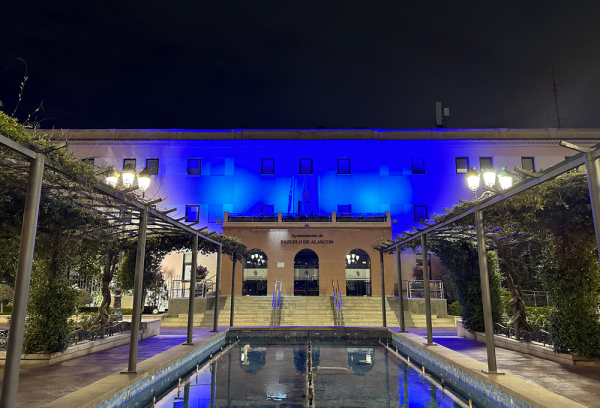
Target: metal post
{"type": "Point", "coordinates": [382, 290]}
{"type": "Point", "coordinates": [485, 294]}
{"type": "Point", "coordinates": [136, 315]}
{"type": "Point", "coordinates": [26, 248]}
{"type": "Point", "coordinates": [231, 313]}
{"type": "Point", "coordinates": [400, 295]}
{"type": "Point", "coordinates": [592, 167]}
{"type": "Point", "coordinates": [427, 292]}
{"type": "Point", "coordinates": [190, 325]}
{"type": "Point", "coordinates": [217, 290]}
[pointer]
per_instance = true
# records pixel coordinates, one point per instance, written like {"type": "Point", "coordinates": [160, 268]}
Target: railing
{"type": "Point", "coordinates": [307, 217]}
{"type": "Point", "coordinates": [536, 298]}
{"type": "Point", "coordinates": [416, 289]}
{"type": "Point", "coordinates": [276, 303]}
{"type": "Point", "coordinates": [337, 302]}
{"type": "Point", "coordinates": [361, 217]}
{"type": "Point", "coordinates": [178, 289]}
{"type": "Point", "coordinates": [79, 336]}
{"type": "Point", "coordinates": [292, 217]}
{"type": "Point", "coordinates": [263, 217]}
{"type": "Point", "coordinates": [539, 336]}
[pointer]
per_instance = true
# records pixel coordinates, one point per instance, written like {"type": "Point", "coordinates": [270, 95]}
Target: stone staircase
{"type": "Point", "coordinates": [306, 311]}
{"type": "Point", "coordinates": [249, 311]}
{"type": "Point", "coordinates": [366, 311]}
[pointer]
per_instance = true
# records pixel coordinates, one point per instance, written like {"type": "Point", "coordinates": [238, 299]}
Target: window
{"type": "Point", "coordinates": [267, 166]}
{"type": "Point", "coordinates": [485, 163]}
{"type": "Point", "coordinates": [127, 163]}
{"type": "Point", "coordinates": [192, 213]}
{"type": "Point", "coordinates": [195, 166]}
{"type": "Point", "coordinates": [418, 166]}
{"type": "Point", "coordinates": [152, 166]}
{"type": "Point", "coordinates": [527, 163]}
{"type": "Point", "coordinates": [344, 209]}
{"type": "Point", "coordinates": [306, 166]}
{"type": "Point", "coordinates": [420, 213]}
{"type": "Point", "coordinates": [462, 165]}
{"type": "Point", "coordinates": [343, 166]}
{"type": "Point", "coordinates": [267, 209]}
{"type": "Point", "coordinates": [187, 267]}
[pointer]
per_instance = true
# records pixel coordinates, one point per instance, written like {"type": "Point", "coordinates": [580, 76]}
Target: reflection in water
{"type": "Point", "coordinates": [253, 359]}
{"type": "Point", "coordinates": [274, 376]}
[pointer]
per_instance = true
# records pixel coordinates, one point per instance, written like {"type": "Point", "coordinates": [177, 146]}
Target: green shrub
{"type": "Point", "coordinates": [83, 298]}
{"type": "Point", "coordinates": [454, 309]}
{"type": "Point", "coordinates": [7, 310]}
{"type": "Point", "coordinates": [538, 317]}
{"type": "Point", "coordinates": [462, 261]}
{"type": "Point", "coordinates": [127, 311]}
{"type": "Point", "coordinates": [51, 303]}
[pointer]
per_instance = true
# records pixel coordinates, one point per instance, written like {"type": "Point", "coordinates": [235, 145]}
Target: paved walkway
{"type": "Point", "coordinates": [40, 385]}
{"type": "Point", "coordinates": [580, 384]}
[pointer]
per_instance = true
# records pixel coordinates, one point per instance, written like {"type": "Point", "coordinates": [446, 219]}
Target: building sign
{"type": "Point", "coordinates": [306, 241]}
{"type": "Point", "coordinates": [280, 264]}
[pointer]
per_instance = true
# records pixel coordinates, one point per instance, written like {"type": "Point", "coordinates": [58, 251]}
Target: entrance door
{"type": "Point", "coordinates": [306, 273]}
{"type": "Point", "coordinates": [358, 273]}
{"type": "Point", "coordinates": [254, 280]}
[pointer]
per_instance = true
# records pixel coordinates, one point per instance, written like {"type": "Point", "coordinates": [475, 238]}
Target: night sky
{"type": "Point", "coordinates": [302, 64]}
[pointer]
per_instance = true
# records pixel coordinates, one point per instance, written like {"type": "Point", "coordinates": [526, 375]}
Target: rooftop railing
{"type": "Point", "coordinates": [300, 217]}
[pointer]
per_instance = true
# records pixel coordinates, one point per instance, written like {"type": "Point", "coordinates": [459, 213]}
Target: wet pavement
{"type": "Point", "coordinates": [580, 384]}
{"type": "Point", "coordinates": [43, 384]}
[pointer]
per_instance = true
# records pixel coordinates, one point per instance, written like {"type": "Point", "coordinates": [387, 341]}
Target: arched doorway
{"type": "Point", "coordinates": [254, 280]}
{"type": "Point", "coordinates": [306, 273]}
{"type": "Point", "coordinates": [358, 273]}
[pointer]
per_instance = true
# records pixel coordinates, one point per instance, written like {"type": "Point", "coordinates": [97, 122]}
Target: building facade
{"type": "Point", "coordinates": [310, 204]}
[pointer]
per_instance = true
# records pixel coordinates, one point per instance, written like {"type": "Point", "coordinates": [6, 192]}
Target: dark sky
{"type": "Point", "coordinates": [302, 64]}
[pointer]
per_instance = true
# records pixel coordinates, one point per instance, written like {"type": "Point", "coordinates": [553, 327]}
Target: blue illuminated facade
{"type": "Point", "coordinates": [410, 173]}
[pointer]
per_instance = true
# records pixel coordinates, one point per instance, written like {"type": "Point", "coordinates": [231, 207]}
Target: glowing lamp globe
{"type": "Point", "coordinates": [505, 178]}
{"type": "Point", "coordinates": [143, 180]}
{"type": "Point", "coordinates": [473, 179]}
{"type": "Point", "coordinates": [112, 178]}
{"type": "Point", "coordinates": [489, 177]}
{"type": "Point", "coordinates": [128, 176]}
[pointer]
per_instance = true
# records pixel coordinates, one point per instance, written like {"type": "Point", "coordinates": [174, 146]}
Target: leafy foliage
{"type": "Point", "coordinates": [538, 317]}
{"type": "Point", "coordinates": [454, 309]}
{"type": "Point", "coordinates": [462, 262]}
{"type": "Point", "coordinates": [84, 298]}
{"type": "Point", "coordinates": [51, 303]}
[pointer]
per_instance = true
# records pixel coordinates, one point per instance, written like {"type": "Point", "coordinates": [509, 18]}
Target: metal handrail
{"type": "Point", "coordinates": [277, 294]}
{"type": "Point", "coordinates": [435, 291]}
{"type": "Point", "coordinates": [340, 296]}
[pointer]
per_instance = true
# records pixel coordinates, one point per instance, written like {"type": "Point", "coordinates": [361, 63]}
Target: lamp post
{"type": "Point", "coordinates": [473, 180]}
{"type": "Point", "coordinates": [489, 176]}
{"type": "Point", "coordinates": [128, 178]}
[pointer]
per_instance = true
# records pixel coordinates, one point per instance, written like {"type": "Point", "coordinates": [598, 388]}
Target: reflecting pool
{"type": "Point", "coordinates": [275, 376]}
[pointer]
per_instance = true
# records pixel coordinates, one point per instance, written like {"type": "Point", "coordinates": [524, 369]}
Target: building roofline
{"type": "Point", "coordinates": [328, 134]}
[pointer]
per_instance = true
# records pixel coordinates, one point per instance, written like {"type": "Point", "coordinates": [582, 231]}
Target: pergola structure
{"type": "Point", "coordinates": [126, 216]}
{"type": "Point", "coordinates": [440, 229]}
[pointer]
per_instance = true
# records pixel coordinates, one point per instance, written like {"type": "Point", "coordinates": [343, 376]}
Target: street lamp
{"type": "Point", "coordinates": [489, 179]}
{"type": "Point", "coordinates": [506, 178]}
{"type": "Point", "coordinates": [128, 176]}
{"type": "Point", "coordinates": [143, 180]}
{"type": "Point", "coordinates": [112, 178]}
